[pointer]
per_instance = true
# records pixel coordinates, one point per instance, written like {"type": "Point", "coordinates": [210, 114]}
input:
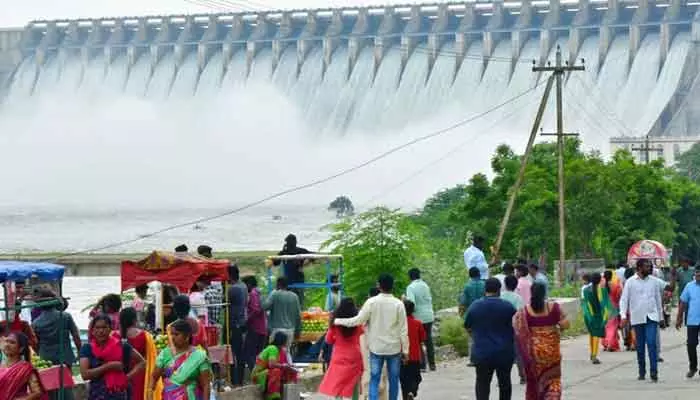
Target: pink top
{"type": "Point", "coordinates": [524, 289]}
{"type": "Point", "coordinates": [345, 370]}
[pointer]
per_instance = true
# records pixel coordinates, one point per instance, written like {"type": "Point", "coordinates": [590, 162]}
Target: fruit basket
{"type": "Point", "coordinates": [314, 324]}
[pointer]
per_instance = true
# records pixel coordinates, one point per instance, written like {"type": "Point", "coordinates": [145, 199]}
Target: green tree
{"type": "Point", "coordinates": [688, 163]}
{"type": "Point", "coordinates": [377, 241]}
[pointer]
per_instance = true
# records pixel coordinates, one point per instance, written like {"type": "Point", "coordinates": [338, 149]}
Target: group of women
{"type": "Point", "coordinates": [600, 304]}
{"type": "Point", "coordinates": [124, 364]}
{"type": "Point", "coordinates": [538, 326]}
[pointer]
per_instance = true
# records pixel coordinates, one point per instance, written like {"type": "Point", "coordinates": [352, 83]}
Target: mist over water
{"type": "Point", "coordinates": [91, 136]}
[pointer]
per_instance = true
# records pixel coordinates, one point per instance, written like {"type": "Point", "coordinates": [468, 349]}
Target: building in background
{"type": "Point", "coordinates": [666, 147]}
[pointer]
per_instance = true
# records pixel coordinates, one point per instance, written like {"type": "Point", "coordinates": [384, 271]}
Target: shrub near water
{"type": "Point", "coordinates": [452, 332]}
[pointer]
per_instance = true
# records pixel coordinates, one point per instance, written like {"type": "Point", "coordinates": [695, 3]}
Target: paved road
{"type": "Point", "coordinates": [614, 379]}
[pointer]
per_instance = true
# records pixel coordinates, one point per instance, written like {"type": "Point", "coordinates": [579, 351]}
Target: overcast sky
{"type": "Point", "coordinates": [17, 13]}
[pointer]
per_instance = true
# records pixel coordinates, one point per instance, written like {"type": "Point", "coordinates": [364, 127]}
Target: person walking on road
{"type": "Point", "coordinates": [642, 298]}
{"type": "Point", "coordinates": [387, 334]}
{"type": "Point", "coordinates": [538, 329]}
{"type": "Point", "coordinates": [689, 312]}
{"type": "Point", "coordinates": [596, 311]}
{"type": "Point", "coordinates": [489, 320]}
{"type": "Point", "coordinates": [418, 292]}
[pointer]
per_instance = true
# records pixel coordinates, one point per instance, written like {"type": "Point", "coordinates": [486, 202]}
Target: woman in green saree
{"type": "Point", "coordinates": [185, 370]}
{"type": "Point", "coordinates": [272, 369]}
{"type": "Point", "coordinates": [597, 308]}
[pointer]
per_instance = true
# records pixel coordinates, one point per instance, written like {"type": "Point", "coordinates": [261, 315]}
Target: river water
{"type": "Point", "coordinates": [70, 230]}
{"type": "Point", "coordinates": [50, 230]}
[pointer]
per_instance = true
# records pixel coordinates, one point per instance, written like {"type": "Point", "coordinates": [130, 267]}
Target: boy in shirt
{"type": "Point", "coordinates": [410, 369]}
{"type": "Point", "coordinates": [473, 290]}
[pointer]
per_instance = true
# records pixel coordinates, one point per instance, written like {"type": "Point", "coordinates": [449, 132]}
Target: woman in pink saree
{"type": "Point", "coordinates": [611, 342]}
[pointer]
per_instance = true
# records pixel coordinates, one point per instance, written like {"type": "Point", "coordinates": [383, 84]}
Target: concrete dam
{"type": "Point", "coordinates": [368, 72]}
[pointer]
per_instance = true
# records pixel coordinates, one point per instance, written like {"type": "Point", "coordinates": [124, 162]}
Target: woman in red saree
{"type": "Point", "coordinates": [272, 369]}
{"type": "Point", "coordinates": [18, 378]}
{"type": "Point", "coordinates": [143, 343]}
{"type": "Point", "coordinates": [537, 333]}
{"type": "Point", "coordinates": [611, 342]}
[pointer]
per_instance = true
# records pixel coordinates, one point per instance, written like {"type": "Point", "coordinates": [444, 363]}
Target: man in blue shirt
{"type": "Point", "coordinates": [489, 321]}
{"type": "Point", "coordinates": [690, 305]}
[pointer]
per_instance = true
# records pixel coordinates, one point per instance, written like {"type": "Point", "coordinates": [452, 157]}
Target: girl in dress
{"type": "Point", "coordinates": [342, 380]}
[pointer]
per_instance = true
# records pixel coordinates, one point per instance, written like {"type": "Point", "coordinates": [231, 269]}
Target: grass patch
{"type": "Point", "coordinates": [452, 332]}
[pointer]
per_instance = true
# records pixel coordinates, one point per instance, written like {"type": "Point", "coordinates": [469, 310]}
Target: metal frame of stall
{"type": "Point", "coordinates": [61, 355]}
{"type": "Point", "coordinates": [328, 258]}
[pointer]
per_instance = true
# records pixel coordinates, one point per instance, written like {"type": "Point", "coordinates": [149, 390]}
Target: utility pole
{"type": "Point", "coordinates": [646, 149]}
{"type": "Point", "coordinates": [558, 70]}
{"type": "Point", "coordinates": [523, 165]}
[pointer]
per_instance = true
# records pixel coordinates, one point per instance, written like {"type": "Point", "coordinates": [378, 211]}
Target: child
{"type": "Point", "coordinates": [410, 370]}
{"type": "Point", "coordinates": [342, 380]}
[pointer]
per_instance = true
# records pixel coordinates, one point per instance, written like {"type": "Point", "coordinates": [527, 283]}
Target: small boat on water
{"type": "Point", "coordinates": [277, 218]}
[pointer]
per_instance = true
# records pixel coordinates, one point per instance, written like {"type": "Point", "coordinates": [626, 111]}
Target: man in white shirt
{"type": "Point", "coordinates": [620, 272]}
{"type": "Point", "coordinates": [474, 257]}
{"type": "Point", "coordinates": [387, 334]}
{"type": "Point", "coordinates": [642, 298]}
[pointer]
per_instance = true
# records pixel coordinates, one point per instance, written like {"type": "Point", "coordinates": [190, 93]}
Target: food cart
{"type": "Point", "coordinates": [314, 320]}
{"type": "Point", "coordinates": [33, 277]}
{"type": "Point", "coordinates": [180, 270]}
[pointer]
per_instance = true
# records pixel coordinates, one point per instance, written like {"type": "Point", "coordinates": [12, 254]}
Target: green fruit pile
{"type": "Point", "coordinates": [161, 342]}
{"type": "Point", "coordinates": [314, 325]}
{"type": "Point", "coordinates": [39, 363]}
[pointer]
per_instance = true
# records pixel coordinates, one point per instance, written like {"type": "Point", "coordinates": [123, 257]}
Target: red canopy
{"type": "Point", "coordinates": [178, 269]}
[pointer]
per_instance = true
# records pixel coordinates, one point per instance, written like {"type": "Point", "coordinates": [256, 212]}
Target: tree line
{"type": "Point", "coordinates": [610, 204]}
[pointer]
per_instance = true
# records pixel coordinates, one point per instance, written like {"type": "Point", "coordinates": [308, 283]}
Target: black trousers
{"type": "Point", "coordinates": [484, 375]}
{"type": "Point", "coordinates": [238, 367]}
{"type": "Point", "coordinates": [254, 345]}
{"type": "Point", "coordinates": [410, 378]}
{"type": "Point", "coordinates": [692, 344]}
{"type": "Point", "coordinates": [429, 346]}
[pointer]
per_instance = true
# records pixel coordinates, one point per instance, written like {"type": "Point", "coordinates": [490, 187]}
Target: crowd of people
{"type": "Point", "coordinates": [377, 350]}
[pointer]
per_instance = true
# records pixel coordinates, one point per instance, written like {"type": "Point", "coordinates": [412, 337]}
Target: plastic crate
{"type": "Point", "coordinates": [51, 378]}
{"type": "Point", "coordinates": [212, 333]}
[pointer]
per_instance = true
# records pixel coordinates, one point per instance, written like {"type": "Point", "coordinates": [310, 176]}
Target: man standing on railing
{"type": "Point", "coordinates": [293, 269]}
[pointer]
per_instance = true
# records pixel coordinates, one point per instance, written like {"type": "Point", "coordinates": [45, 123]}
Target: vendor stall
{"type": "Point", "coordinates": [22, 282]}
{"type": "Point", "coordinates": [180, 270]}
{"type": "Point", "coordinates": [314, 320]}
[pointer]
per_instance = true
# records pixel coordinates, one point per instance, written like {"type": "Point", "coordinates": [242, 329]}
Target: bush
{"type": "Point", "coordinates": [452, 332]}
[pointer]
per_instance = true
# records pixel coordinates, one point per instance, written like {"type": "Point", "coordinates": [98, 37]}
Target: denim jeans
{"type": "Point", "coordinates": [393, 366]}
{"type": "Point", "coordinates": [646, 335]}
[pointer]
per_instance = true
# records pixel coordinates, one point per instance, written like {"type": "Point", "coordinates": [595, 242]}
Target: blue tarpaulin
{"type": "Point", "coordinates": [22, 271]}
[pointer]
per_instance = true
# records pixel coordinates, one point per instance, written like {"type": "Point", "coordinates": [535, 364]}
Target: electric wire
{"type": "Point", "coordinates": [448, 154]}
{"type": "Point", "coordinates": [308, 185]}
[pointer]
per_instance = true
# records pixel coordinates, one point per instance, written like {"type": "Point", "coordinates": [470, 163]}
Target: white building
{"type": "Point", "coordinates": [666, 147]}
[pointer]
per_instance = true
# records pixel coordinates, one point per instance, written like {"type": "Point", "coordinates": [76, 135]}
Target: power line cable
{"type": "Point", "coordinates": [306, 185]}
{"type": "Point", "coordinates": [445, 156]}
